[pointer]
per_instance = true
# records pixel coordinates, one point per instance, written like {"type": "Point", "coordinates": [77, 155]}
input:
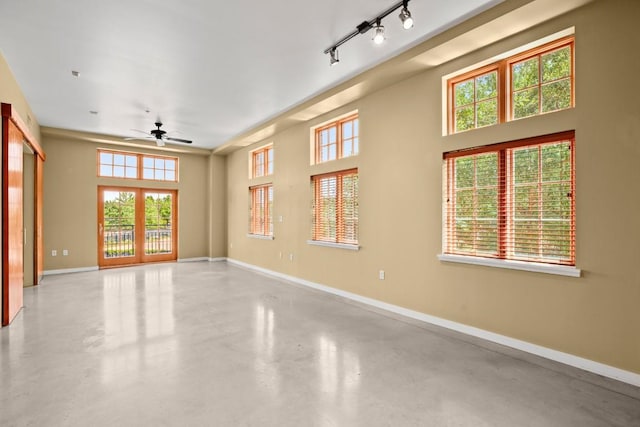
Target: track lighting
{"type": "Point", "coordinates": [379, 36]}
{"type": "Point", "coordinates": [405, 17]}
{"type": "Point", "coordinates": [333, 58]}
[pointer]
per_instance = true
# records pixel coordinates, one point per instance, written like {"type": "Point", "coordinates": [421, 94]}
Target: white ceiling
{"type": "Point", "coordinates": [209, 70]}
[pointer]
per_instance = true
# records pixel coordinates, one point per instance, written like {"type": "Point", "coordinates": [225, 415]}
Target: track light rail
{"type": "Point", "coordinates": [365, 26]}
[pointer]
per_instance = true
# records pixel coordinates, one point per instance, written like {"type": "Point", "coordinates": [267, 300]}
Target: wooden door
{"type": "Point", "coordinates": [12, 225]}
{"type": "Point", "coordinates": [14, 134]}
{"type": "Point", "coordinates": [136, 226]}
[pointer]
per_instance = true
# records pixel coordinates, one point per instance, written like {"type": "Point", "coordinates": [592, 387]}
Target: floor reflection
{"type": "Point", "coordinates": [120, 309]}
{"type": "Point", "coordinates": [138, 309]}
{"type": "Point", "coordinates": [268, 375]}
{"type": "Point", "coordinates": [338, 373]}
{"type": "Point", "coordinates": [158, 298]}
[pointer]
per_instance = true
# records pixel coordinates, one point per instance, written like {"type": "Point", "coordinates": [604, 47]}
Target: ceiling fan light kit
{"type": "Point", "coordinates": [379, 36]}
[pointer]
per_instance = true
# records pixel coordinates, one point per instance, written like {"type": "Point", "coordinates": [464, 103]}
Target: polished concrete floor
{"type": "Point", "coordinates": [210, 344]}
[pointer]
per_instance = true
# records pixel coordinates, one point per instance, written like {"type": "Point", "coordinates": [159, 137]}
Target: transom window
{"type": "Point", "coordinates": [542, 83]}
{"type": "Point", "coordinates": [337, 139]}
{"type": "Point", "coordinates": [537, 81]}
{"type": "Point", "coordinates": [262, 162]}
{"type": "Point", "coordinates": [261, 218]}
{"type": "Point", "coordinates": [335, 207]}
{"type": "Point", "coordinates": [513, 201]}
{"type": "Point", "coordinates": [118, 164]}
{"type": "Point", "coordinates": [159, 168]}
{"type": "Point", "coordinates": [475, 101]}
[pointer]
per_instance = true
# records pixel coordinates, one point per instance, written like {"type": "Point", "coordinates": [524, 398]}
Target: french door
{"type": "Point", "coordinates": [136, 225]}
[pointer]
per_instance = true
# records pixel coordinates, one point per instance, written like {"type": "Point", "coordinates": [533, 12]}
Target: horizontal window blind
{"type": "Point", "coordinates": [335, 207]}
{"type": "Point", "coordinates": [474, 204]}
{"type": "Point", "coordinates": [261, 220]}
{"type": "Point", "coordinates": [513, 201]}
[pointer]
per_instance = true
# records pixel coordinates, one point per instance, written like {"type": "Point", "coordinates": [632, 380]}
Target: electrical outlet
{"type": "Point", "coordinates": [280, 254]}
{"type": "Point", "coordinates": [381, 274]}
{"type": "Point", "coordinates": [65, 252]}
{"type": "Point", "coordinates": [290, 257]}
{"type": "Point", "coordinates": [54, 253]}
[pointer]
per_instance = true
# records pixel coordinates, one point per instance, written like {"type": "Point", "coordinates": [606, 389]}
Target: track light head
{"type": "Point", "coordinates": [379, 37]}
{"type": "Point", "coordinates": [333, 56]}
{"type": "Point", "coordinates": [405, 17]}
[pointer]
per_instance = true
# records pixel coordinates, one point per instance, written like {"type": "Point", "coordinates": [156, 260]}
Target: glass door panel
{"type": "Point", "coordinates": [119, 224]}
{"type": "Point", "coordinates": [158, 231]}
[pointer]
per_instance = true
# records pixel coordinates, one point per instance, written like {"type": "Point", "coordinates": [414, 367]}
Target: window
{"type": "Point", "coordinates": [117, 164]}
{"type": "Point", "coordinates": [159, 168]}
{"type": "Point", "coordinates": [513, 201]}
{"type": "Point", "coordinates": [538, 81]}
{"type": "Point", "coordinates": [261, 196]}
{"type": "Point", "coordinates": [475, 101]}
{"type": "Point", "coordinates": [337, 139]}
{"type": "Point", "coordinates": [335, 207]}
{"type": "Point", "coordinates": [261, 220]}
{"type": "Point", "coordinates": [542, 82]}
{"type": "Point", "coordinates": [262, 162]}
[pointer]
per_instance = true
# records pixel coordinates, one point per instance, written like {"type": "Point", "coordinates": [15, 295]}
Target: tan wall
{"type": "Point", "coordinates": [70, 202]}
{"type": "Point", "coordinates": [10, 93]}
{"type": "Point", "coordinates": [400, 197]}
{"type": "Point", "coordinates": [217, 206]}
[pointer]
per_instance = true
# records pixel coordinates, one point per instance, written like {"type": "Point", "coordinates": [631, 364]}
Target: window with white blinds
{"type": "Point", "coordinates": [261, 219]}
{"type": "Point", "coordinates": [335, 207]}
{"type": "Point", "coordinates": [513, 200]}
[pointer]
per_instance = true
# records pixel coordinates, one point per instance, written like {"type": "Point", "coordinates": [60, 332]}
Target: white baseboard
{"type": "Point", "coordinates": [200, 259]}
{"type": "Point", "coordinates": [219, 259]}
{"type": "Point", "coordinates": [558, 356]}
{"type": "Point", "coordinates": [69, 270]}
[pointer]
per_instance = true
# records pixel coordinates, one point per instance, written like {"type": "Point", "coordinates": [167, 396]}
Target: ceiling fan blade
{"type": "Point", "coordinates": [141, 131]}
{"type": "Point", "coordinates": [186, 141]}
{"type": "Point", "coordinates": [139, 138]}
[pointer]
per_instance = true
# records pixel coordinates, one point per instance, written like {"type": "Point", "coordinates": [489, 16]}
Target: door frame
{"type": "Point", "coordinates": [139, 242]}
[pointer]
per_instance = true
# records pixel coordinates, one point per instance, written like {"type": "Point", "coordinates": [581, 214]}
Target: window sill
{"type": "Point", "coordinates": [260, 237]}
{"type": "Point", "coordinates": [562, 270]}
{"type": "Point", "coordinates": [334, 245]}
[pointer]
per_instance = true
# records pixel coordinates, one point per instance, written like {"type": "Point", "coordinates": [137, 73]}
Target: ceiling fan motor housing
{"type": "Point", "coordinates": [158, 132]}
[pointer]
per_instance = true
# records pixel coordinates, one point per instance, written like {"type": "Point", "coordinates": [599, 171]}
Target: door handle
{"type": "Point", "coordinates": [100, 228]}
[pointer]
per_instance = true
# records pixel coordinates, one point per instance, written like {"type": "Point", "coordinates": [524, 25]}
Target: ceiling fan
{"type": "Point", "coordinates": [159, 135]}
